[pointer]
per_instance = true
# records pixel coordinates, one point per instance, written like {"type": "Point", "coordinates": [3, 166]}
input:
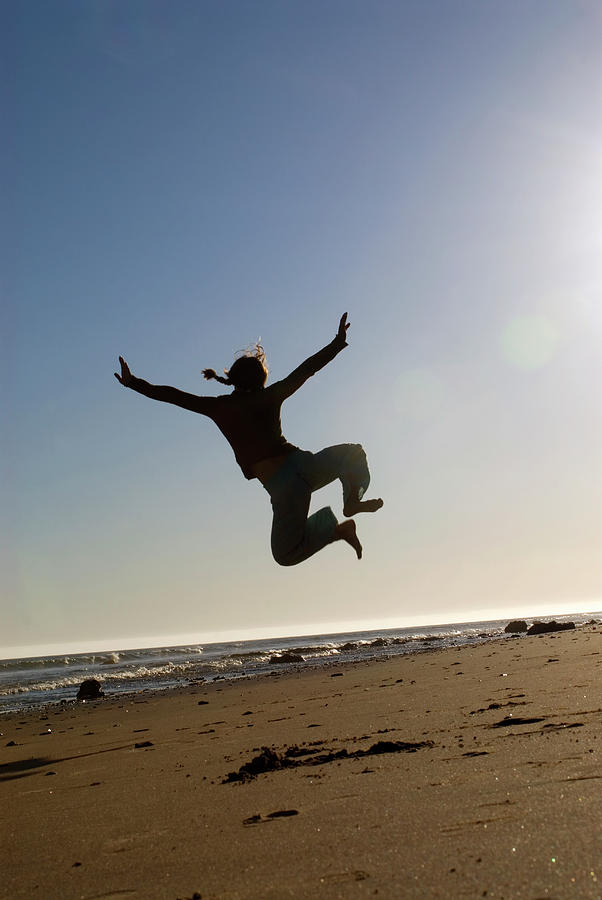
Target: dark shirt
{"type": "Point", "coordinates": [249, 420]}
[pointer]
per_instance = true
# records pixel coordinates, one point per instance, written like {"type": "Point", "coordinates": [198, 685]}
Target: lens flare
{"type": "Point", "coordinates": [529, 342]}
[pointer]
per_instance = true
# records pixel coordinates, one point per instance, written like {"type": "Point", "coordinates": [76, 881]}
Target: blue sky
{"type": "Point", "coordinates": [184, 178]}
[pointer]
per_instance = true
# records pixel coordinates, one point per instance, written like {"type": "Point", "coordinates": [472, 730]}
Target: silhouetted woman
{"type": "Point", "coordinates": [249, 419]}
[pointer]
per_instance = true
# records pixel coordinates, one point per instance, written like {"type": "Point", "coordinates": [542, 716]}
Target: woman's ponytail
{"type": "Point", "coordinates": [211, 373]}
{"type": "Point", "coordinates": [247, 373]}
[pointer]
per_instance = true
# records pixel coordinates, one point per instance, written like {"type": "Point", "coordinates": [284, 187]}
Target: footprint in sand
{"type": "Point", "coordinates": [336, 877]}
{"type": "Point", "coordinates": [113, 895]}
{"type": "Point", "coordinates": [258, 819]}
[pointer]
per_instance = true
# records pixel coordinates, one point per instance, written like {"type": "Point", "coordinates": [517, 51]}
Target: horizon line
{"type": "Point", "coordinates": [150, 642]}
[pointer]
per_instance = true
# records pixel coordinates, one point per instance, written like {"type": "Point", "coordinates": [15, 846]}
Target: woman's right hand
{"type": "Point", "coordinates": [126, 376]}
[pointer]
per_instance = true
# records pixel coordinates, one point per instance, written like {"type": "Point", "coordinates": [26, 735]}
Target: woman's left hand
{"type": "Point", "coordinates": [343, 326]}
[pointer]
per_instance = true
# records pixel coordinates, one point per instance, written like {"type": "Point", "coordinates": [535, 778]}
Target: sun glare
{"type": "Point", "coordinates": [529, 342]}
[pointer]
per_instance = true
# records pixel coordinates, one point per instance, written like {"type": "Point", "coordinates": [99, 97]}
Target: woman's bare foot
{"type": "Point", "coordinates": [352, 507]}
{"type": "Point", "coordinates": [345, 531]}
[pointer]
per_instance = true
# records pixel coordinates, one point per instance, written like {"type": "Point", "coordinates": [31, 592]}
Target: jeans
{"type": "Point", "coordinates": [296, 537]}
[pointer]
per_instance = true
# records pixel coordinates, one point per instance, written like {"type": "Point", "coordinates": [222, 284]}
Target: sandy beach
{"type": "Point", "coordinates": [470, 772]}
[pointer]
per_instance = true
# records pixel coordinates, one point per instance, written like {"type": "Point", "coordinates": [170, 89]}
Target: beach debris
{"type": "Point", "coordinates": [500, 705]}
{"type": "Point", "coordinates": [90, 690]}
{"type": "Point", "coordinates": [516, 626]}
{"type": "Point", "coordinates": [545, 627]}
{"type": "Point", "coordinates": [267, 761]}
{"type": "Point", "coordinates": [252, 820]}
{"type": "Point", "coordinates": [270, 760]}
{"type": "Point", "coordinates": [140, 744]}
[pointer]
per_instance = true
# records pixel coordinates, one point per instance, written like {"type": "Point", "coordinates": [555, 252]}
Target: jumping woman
{"type": "Point", "coordinates": [249, 419]}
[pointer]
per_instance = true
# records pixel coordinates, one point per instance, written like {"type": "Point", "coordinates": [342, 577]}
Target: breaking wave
{"type": "Point", "coordinates": [35, 681]}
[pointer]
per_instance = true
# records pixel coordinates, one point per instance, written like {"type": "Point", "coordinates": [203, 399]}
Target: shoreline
{"type": "Point", "coordinates": [33, 683]}
{"type": "Point", "coordinates": [443, 773]}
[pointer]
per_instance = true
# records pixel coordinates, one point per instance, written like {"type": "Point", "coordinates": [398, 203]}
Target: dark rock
{"type": "Point", "coordinates": [90, 690]}
{"type": "Point", "coordinates": [516, 626]}
{"type": "Point", "coordinates": [287, 658]}
{"type": "Point", "coordinates": [545, 627]}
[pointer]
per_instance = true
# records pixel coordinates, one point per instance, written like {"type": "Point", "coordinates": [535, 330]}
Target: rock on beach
{"type": "Point", "coordinates": [90, 690]}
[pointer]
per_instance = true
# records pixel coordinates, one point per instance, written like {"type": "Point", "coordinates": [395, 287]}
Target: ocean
{"type": "Point", "coordinates": [37, 681]}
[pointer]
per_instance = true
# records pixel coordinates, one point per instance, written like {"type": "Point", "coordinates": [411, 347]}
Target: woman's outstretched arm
{"type": "Point", "coordinates": [203, 405]}
{"type": "Point", "coordinates": [314, 363]}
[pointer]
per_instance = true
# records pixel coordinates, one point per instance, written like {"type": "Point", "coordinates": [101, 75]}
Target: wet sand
{"type": "Point", "coordinates": [471, 772]}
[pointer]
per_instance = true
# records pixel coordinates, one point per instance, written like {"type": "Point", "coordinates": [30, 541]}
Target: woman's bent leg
{"type": "Point", "coordinates": [295, 537]}
{"type": "Point", "coordinates": [346, 462]}
{"type": "Point", "coordinates": [319, 531]}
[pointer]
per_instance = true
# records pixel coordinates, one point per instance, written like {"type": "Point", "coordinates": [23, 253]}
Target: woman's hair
{"type": "Point", "coordinates": [247, 373]}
